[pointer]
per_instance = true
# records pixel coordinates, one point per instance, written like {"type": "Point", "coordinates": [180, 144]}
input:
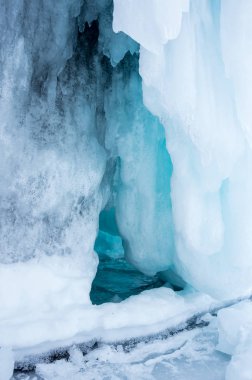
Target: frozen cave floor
{"type": "Point", "coordinates": [181, 339]}
{"type": "Point", "coordinates": [190, 354]}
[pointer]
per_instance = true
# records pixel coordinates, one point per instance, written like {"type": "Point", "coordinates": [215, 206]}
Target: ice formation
{"type": "Point", "coordinates": [189, 356]}
{"type": "Point", "coordinates": [65, 155]}
{"type": "Point", "coordinates": [198, 82]}
{"type": "Point", "coordinates": [235, 338]}
{"type": "Point", "coordinates": [137, 113]}
{"type": "Point", "coordinates": [6, 363]}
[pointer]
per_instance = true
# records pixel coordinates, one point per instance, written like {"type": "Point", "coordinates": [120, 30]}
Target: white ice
{"type": "Point", "coordinates": [190, 355]}
{"type": "Point", "coordinates": [197, 80]}
{"type": "Point", "coordinates": [6, 363]}
{"type": "Point", "coordinates": [235, 338]}
{"type": "Point", "coordinates": [67, 118]}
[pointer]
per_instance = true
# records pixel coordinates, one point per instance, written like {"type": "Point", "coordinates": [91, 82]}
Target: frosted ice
{"type": "Point", "coordinates": [149, 22]}
{"type": "Point", "coordinates": [158, 130]}
{"type": "Point", "coordinates": [147, 313]}
{"type": "Point", "coordinates": [51, 166]}
{"type": "Point", "coordinates": [185, 356]}
{"type": "Point", "coordinates": [59, 158]}
{"type": "Point", "coordinates": [65, 155]}
{"type": "Point", "coordinates": [6, 363]}
{"type": "Point", "coordinates": [199, 86]}
{"type": "Point", "coordinates": [235, 338]}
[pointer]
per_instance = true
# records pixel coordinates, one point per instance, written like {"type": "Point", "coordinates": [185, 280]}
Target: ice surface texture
{"type": "Point", "coordinates": [51, 165]}
{"type": "Point", "coordinates": [198, 81]}
{"type": "Point", "coordinates": [6, 363]}
{"type": "Point", "coordinates": [189, 355]}
{"type": "Point", "coordinates": [163, 138]}
{"type": "Point", "coordinates": [235, 338]}
{"type": "Point", "coordinates": [75, 136]}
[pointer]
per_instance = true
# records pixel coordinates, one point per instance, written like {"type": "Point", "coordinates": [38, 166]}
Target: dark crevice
{"type": "Point", "coordinates": [116, 279]}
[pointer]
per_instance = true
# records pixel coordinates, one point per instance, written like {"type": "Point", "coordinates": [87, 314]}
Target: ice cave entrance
{"type": "Point", "coordinates": [116, 279]}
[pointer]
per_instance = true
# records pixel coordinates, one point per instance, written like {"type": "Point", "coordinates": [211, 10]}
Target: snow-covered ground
{"type": "Point", "coordinates": [188, 355]}
{"type": "Point", "coordinates": [212, 347]}
{"type": "Point", "coordinates": [150, 312]}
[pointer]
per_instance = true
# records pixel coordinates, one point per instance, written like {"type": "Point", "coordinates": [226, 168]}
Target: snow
{"type": "Point", "coordinates": [220, 351]}
{"type": "Point", "coordinates": [184, 356]}
{"type": "Point", "coordinates": [150, 312]}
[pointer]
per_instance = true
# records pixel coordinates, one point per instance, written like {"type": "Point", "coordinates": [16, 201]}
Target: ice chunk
{"type": "Point", "coordinates": [61, 369]}
{"type": "Point", "coordinates": [235, 338]}
{"type": "Point", "coordinates": [234, 322]}
{"type": "Point", "coordinates": [6, 363]}
{"type": "Point", "coordinates": [149, 22]}
{"type": "Point", "coordinates": [74, 368]}
{"type": "Point", "coordinates": [240, 366]}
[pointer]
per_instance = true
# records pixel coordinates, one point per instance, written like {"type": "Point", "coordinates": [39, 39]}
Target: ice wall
{"type": "Point", "coordinates": [82, 131]}
{"type": "Point", "coordinates": [75, 138]}
{"type": "Point", "coordinates": [52, 164]}
{"type": "Point", "coordinates": [197, 78]}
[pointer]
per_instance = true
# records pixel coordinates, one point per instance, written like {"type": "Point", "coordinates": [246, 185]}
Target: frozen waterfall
{"type": "Point", "coordinates": [125, 137]}
{"type": "Point", "coordinates": [198, 82]}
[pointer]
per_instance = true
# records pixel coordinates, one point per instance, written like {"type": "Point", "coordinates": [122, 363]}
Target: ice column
{"type": "Point", "coordinates": [195, 62]}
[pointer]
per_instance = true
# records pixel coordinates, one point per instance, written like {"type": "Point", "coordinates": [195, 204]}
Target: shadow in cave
{"type": "Point", "coordinates": [116, 279]}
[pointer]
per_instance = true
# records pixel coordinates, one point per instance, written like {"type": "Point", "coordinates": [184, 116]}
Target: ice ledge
{"type": "Point", "coordinates": [151, 312]}
{"type": "Point", "coordinates": [157, 22]}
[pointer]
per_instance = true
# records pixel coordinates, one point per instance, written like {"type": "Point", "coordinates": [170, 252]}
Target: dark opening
{"type": "Point", "coordinates": [116, 279]}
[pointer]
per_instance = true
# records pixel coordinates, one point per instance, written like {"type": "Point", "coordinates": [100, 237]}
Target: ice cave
{"type": "Point", "coordinates": [125, 190]}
